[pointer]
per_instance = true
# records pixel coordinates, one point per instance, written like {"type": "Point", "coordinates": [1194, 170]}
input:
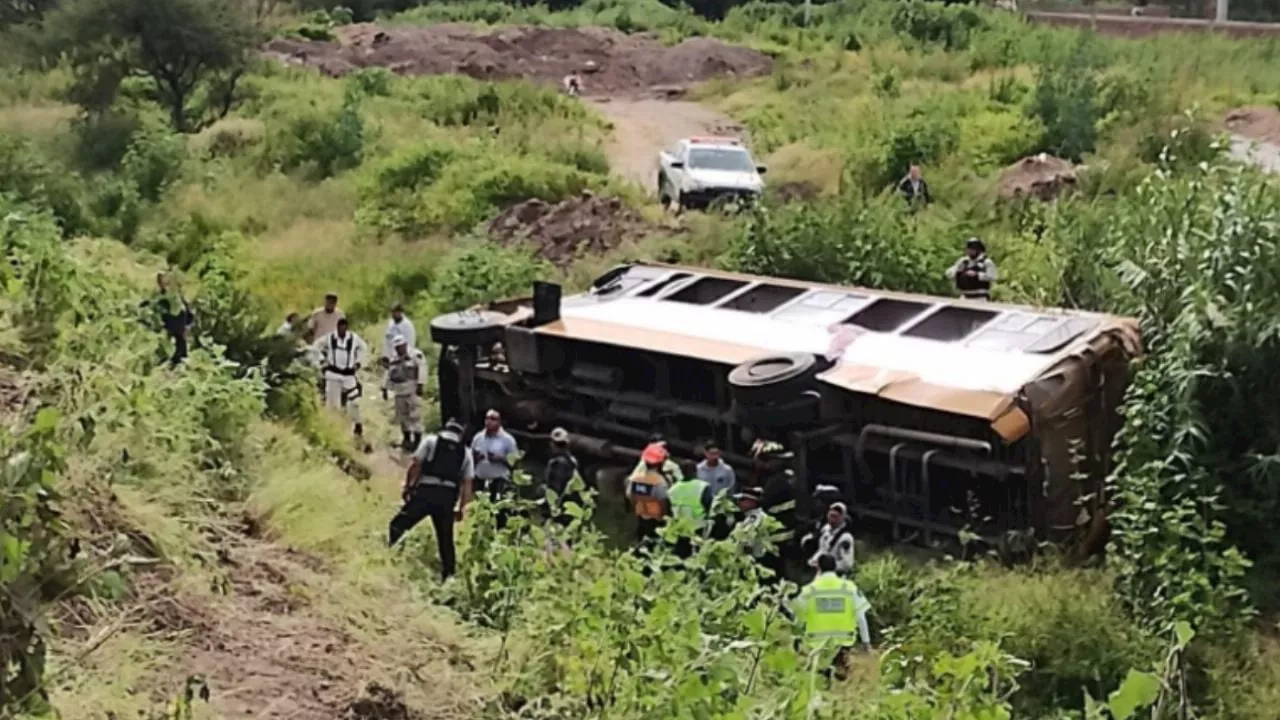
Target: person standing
{"type": "Point", "coordinates": [439, 477]}
{"type": "Point", "coordinates": [175, 316]}
{"type": "Point", "coordinates": [406, 379]}
{"type": "Point", "coordinates": [562, 477]}
{"type": "Point", "coordinates": [691, 498]}
{"type": "Point", "coordinates": [647, 490]}
{"type": "Point", "coordinates": [398, 326]}
{"type": "Point", "coordinates": [831, 609]}
{"type": "Point", "coordinates": [342, 354]}
{"type": "Point", "coordinates": [834, 539]}
{"type": "Point", "coordinates": [493, 450]}
{"type": "Point", "coordinates": [324, 319]}
{"type": "Point", "coordinates": [974, 273]}
{"type": "Point", "coordinates": [715, 471]}
{"type": "Point", "coordinates": [914, 188]}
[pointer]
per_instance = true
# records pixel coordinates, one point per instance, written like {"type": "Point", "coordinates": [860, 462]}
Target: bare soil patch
{"type": "Point", "coordinates": [1042, 176]}
{"type": "Point", "coordinates": [564, 231]}
{"type": "Point", "coordinates": [611, 62]}
{"type": "Point", "coordinates": [1256, 122]}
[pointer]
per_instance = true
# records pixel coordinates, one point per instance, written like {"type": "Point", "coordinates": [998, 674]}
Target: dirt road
{"type": "Point", "coordinates": [643, 128]}
{"type": "Point", "coordinates": [1262, 153]}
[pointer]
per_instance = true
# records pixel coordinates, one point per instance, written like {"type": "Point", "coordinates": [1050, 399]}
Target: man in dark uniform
{"type": "Point", "coordinates": [974, 272]}
{"type": "Point", "coordinates": [440, 476]}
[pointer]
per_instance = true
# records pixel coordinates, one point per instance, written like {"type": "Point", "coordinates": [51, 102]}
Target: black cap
{"type": "Point", "coordinates": [454, 426]}
{"type": "Point", "coordinates": [976, 242]}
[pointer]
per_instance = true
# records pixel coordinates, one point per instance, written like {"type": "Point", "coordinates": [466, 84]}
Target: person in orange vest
{"type": "Point", "coordinates": [647, 491]}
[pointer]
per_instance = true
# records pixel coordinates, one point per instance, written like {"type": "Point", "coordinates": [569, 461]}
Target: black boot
{"type": "Point", "coordinates": [406, 442]}
{"type": "Point", "coordinates": [366, 447]}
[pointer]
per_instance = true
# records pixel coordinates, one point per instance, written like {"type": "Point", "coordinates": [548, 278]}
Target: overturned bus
{"type": "Point", "coordinates": [938, 418]}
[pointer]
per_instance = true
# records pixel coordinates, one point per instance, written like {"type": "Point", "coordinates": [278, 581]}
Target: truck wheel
{"type": "Point", "coordinates": [774, 378]}
{"type": "Point", "coordinates": [468, 327]}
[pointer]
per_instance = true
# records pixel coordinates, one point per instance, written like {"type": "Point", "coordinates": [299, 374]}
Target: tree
{"type": "Point", "coordinates": [192, 52]}
{"type": "Point", "coordinates": [16, 12]}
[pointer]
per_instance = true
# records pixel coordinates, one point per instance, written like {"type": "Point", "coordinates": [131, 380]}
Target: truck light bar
{"type": "Point", "coordinates": [715, 140]}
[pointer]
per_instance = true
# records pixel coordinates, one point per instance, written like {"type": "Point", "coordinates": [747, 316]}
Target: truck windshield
{"type": "Point", "coordinates": [720, 159]}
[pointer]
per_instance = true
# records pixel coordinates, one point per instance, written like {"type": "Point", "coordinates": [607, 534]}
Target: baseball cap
{"type": "Point", "coordinates": [399, 341]}
{"type": "Point", "coordinates": [560, 435]}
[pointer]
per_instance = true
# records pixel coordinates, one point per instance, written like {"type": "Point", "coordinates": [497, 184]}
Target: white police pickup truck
{"type": "Point", "coordinates": [699, 171]}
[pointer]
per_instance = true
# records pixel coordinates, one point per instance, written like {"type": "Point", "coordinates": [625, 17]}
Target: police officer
{"type": "Point", "coordinates": [831, 609]}
{"type": "Point", "coordinates": [439, 476]}
{"type": "Point", "coordinates": [690, 497]}
{"type": "Point", "coordinates": [974, 273]}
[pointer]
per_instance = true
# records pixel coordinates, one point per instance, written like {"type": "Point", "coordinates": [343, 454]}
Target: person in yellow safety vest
{"type": "Point", "coordinates": [646, 490]}
{"type": "Point", "coordinates": [831, 609]}
{"type": "Point", "coordinates": [692, 498]}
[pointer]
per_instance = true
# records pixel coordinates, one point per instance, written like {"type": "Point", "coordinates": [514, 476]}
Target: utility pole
{"type": "Point", "coordinates": [1223, 12]}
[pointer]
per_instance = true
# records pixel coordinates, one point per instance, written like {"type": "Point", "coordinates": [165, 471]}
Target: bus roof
{"type": "Point", "coordinates": [965, 357]}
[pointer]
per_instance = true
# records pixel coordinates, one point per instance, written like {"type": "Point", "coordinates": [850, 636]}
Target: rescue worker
{"type": "Point", "coordinates": [913, 187]}
{"type": "Point", "coordinates": [175, 316]}
{"type": "Point", "coordinates": [834, 539]}
{"type": "Point", "coordinates": [439, 477]}
{"type": "Point", "coordinates": [974, 273]}
{"type": "Point", "coordinates": [670, 469]}
{"type": "Point", "coordinates": [406, 379]}
{"type": "Point", "coordinates": [690, 497]}
{"type": "Point", "coordinates": [398, 326]}
{"type": "Point", "coordinates": [832, 609]}
{"type": "Point", "coordinates": [750, 505]}
{"type": "Point", "coordinates": [324, 319]}
{"type": "Point", "coordinates": [342, 354]}
{"type": "Point", "coordinates": [561, 474]}
{"type": "Point", "coordinates": [494, 450]}
{"type": "Point", "coordinates": [647, 490]}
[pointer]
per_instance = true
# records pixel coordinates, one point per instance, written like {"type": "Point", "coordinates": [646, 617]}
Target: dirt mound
{"type": "Point", "coordinates": [1256, 122]}
{"type": "Point", "coordinates": [561, 232]}
{"type": "Point", "coordinates": [379, 703]}
{"type": "Point", "coordinates": [1042, 176]}
{"type": "Point", "coordinates": [610, 61]}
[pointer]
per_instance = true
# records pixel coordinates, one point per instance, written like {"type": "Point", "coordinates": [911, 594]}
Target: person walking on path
{"type": "Point", "coordinates": [342, 354]}
{"type": "Point", "coordinates": [438, 485]}
{"type": "Point", "coordinates": [175, 316]}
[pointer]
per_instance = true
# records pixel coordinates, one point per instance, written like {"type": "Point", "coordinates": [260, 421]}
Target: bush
{"type": "Point", "coordinates": [1065, 102]}
{"type": "Point", "coordinates": [483, 272]}
{"type": "Point", "coordinates": [992, 140]}
{"type": "Point", "coordinates": [154, 160]}
{"type": "Point", "coordinates": [29, 176]}
{"type": "Point", "coordinates": [927, 22]}
{"type": "Point", "coordinates": [319, 142]}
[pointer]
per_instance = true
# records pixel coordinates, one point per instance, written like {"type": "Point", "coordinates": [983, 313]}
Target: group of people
{"type": "Point", "coordinates": [447, 471]}
{"type": "Point", "coordinates": [340, 355]}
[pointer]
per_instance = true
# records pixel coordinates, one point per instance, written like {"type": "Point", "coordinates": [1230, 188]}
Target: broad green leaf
{"type": "Point", "coordinates": [1139, 690]}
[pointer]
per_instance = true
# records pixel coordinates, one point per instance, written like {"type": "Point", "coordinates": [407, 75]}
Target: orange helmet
{"type": "Point", "coordinates": [654, 453]}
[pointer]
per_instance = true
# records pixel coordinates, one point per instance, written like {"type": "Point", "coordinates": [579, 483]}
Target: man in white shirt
{"type": "Point", "coordinates": [398, 326]}
{"type": "Point", "coordinates": [835, 539]}
{"type": "Point", "coordinates": [342, 353]}
{"type": "Point", "coordinates": [406, 379]}
{"type": "Point", "coordinates": [715, 471]}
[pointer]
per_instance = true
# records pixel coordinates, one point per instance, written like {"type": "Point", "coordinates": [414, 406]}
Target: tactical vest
{"type": "Point", "coordinates": [333, 352]}
{"type": "Point", "coordinates": [971, 284]}
{"type": "Point", "coordinates": [644, 496]}
{"type": "Point", "coordinates": [686, 499]}
{"type": "Point", "coordinates": [444, 467]}
{"type": "Point", "coordinates": [403, 370]}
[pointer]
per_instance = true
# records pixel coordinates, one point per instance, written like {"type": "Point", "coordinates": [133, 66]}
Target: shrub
{"type": "Point", "coordinates": [321, 143]}
{"type": "Point", "coordinates": [154, 160]}
{"type": "Point", "coordinates": [374, 82]}
{"type": "Point", "coordinates": [927, 22]}
{"type": "Point", "coordinates": [992, 140]}
{"type": "Point", "coordinates": [29, 176]}
{"type": "Point", "coordinates": [482, 272]}
{"type": "Point", "coordinates": [1065, 102]}
{"type": "Point", "coordinates": [228, 138]}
